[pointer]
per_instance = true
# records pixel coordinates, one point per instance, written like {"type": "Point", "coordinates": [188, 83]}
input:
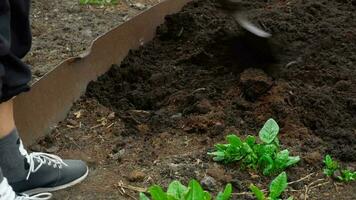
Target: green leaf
{"type": "Point", "coordinates": [157, 193]}
{"type": "Point", "coordinates": [347, 176]}
{"type": "Point", "coordinates": [257, 192]}
{"type": "Point", "coordinates": [143, 196]}
{"type": "Point", "coordinates": [251, 141]}
{"type": "Point", "coordinates": [290, 198]}
{"type": "Point", "coordinates": [207, 196]}
{"type": "Point", "coordinates": [266, 163]}
{"type": "Point", "coordinates": [234, 140]}
{"type": "Point", "coordinates": [331, 166]}
{"type": "Point", "coordinates": [226, 195]}
{"type": "Point", "coordinates": [282, 159]}
{"type": "Point", "coordinates": [196, 192]}
{"type": "Point", "coordinates": [267, 149]}
{"type": "Point", "coordinates": [278, 185]}
{"type": "Point", "coordinates": [292, 160]}
{"type": "Point", "coordinates": [269, 131]}
{"type": "Point", "coordinates": [177, 190]}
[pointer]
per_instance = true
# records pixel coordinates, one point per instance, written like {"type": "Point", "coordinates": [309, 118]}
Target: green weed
{"type": "Point", "coordinates": [276, 188]}
{"type": "Point", "coordinates": [332, 166]}
{"type": "Point", "coordinates": [265, 156]}
{"type": "Point", "coordinates": [177, 191]}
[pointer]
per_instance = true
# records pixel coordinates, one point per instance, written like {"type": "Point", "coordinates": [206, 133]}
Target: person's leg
{"type": "Point", "coordinates": [35, 172]}
{"type": "Point", "coordinates": [6, 118]}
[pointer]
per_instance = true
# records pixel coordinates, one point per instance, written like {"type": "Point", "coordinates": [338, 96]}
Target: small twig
{"type": "Point", "coordinates": [96, 126]}
{"type": "Point", "coordinates": [130, 196]}
{"type": "Point", "coordinates": [336, 187]}
{"type": "Point", "coordinates": [241, 193]}
{"type": "Point", "coordinates": [315, 182]}
{"type": "Point", "coordinates": [306, 192]}
{"type": "Point", "coordinates": [320, 184]}
{"type": "Point", "coordinates": [134, 188]}
{"type": "Point", "coordinates": [245, 193]}
{"type": "Point", "coordinates": [301, 179]}
{"type": "Point", "coordinates": [110, 125]}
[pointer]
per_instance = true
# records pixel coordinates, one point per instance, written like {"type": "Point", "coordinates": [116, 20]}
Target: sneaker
{"type": "Point", "coordinates": [7, 193]}
{"type": "Point", "coordinates": [47, 173]}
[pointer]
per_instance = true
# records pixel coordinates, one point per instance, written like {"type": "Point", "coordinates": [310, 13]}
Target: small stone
{"type": "Point", "coordinates": [72, 122]}
{"type": "Point", "coordinates": [118, 156]}
{"type": "Point", "coordinates": [208, 183]}
{"type": "Point", "coordinates": [177, 116]}
{"type": "Point", "coordinates": [313, 157]}
{"type": "Point", "coordinates": [173, 167]}
{"type": "Point", "coordinates": [136, 175]}
{"type": "Point", "coordinates": [336, 174]}
{"type": "Point", "coordinates": [111, 116]}
{"type": "Point", "coordinates": [139, 6]}
{"type": "Point", "coordinates": [52, 149]}
{"type": "Point", "coordinates": [219, 174]}
{"type": "Point", "coordinates": [216, 172]}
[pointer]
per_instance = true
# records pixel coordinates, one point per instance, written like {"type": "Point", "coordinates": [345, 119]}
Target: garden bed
{"type": "Point", "coordinates": [154, 117]}
{"type": "Point", "coordinates": [63, 28]}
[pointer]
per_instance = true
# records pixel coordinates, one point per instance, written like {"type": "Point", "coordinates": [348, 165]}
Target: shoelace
{"type": "Point", "coordinates": [42, 159]}
{"type": "Point", "coordinates": [41, 196]}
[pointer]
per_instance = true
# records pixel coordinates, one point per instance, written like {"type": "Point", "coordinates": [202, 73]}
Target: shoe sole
{"type": "Point", "coordinates": [61, 187]}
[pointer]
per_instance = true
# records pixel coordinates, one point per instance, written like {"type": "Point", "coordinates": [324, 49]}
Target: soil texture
{"type": "Point", "coordinates": [153, 118]}
{"type": "Point", "coordinates": [64, 28]}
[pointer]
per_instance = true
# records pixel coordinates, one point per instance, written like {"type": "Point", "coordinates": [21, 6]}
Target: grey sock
{"type": "Point", "coordinates": [12, 162]}
{"type": "Point", "coordinates": [1, 176]}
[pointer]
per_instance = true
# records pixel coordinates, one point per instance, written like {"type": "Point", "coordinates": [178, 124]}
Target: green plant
{"type": "Point", "coordinates": [276, 188]}
{"type": "Point", "coordinates": [347, 175]}
{"type": "Point", "coordinates": [97, 2]}
{"type": "Point", "coordinates": [331, 167]}
{"type": "Point", "coordinates": [177, 191]}
{"type": "Point", "coordinates": [265, 156]}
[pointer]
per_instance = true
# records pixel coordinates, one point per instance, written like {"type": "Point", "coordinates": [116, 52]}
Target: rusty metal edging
{"type": "Point", "coordinates": [51, 98]}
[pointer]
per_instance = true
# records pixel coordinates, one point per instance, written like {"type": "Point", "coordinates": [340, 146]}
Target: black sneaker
{"type": "Point", "coordinates": [47, 173]}
{"type": "Point", "coordinates": [7, 193]}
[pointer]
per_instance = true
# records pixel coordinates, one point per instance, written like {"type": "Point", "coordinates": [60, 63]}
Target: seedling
{"type": "Point", "coordinates": [276, 188]}
{"type": "Point", "coordinates": [98, 2]}
{"type": "Point", "coordinates": [177, 191]}
{"type": "Point", "coordinates": [347, 175]}
{"type": "Point", "coordinates": [265, 156]}
{"type": "Point", "coordinates": [331, 167]}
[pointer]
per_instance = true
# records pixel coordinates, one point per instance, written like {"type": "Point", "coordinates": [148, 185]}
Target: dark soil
{"type": "Point", "coordinates": [187, 89]}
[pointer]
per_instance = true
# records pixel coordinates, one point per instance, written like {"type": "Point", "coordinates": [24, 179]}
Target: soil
{"type": "Point", "coordinates": [153, 118]}
{"type": "Point", "coordinates": [63, 28]}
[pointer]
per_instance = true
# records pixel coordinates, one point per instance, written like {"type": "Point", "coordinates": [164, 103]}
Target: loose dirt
{"type": "Point", "coordinates": [153, 118]}
{"type": "Point", "coordinates": [63, 28]}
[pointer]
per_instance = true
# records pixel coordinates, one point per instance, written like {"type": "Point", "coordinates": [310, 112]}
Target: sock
{"type": "Point", "coordinates": [1, 176]}
{"type": "Point", "coordinates": [13, 162]}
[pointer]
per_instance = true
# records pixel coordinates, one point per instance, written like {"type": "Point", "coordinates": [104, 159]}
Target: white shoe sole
{"type": "Point", "coordinates": [61, 187]}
